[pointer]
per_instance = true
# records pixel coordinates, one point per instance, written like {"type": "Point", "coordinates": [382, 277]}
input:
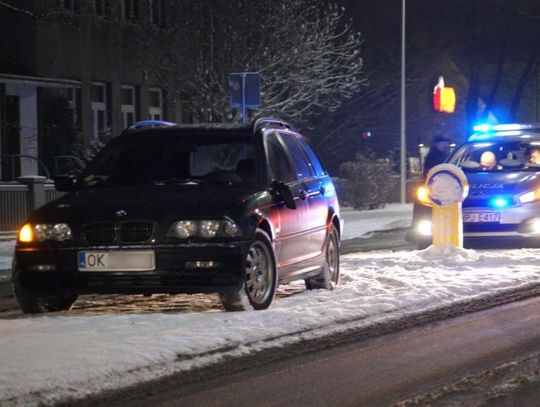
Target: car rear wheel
{"type": "Point", "coordinates": [330, 271]}
{"type": "Point", "coordinates": [37, 304]}
{"type": "Point", "coordinates": [259, 287]}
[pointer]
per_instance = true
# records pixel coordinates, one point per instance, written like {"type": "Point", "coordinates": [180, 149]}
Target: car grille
{"type": "Point", "coordinates": [132, 232]}
{"type": "Point", "coordinates": [127, 232]}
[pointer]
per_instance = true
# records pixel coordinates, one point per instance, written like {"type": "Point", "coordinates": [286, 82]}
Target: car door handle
{"type": "Point", "coordinates": [302, 195]}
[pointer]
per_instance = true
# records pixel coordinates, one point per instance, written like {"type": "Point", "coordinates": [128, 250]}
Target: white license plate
{"type": "Point", "coordinates": [474, 217]}
{"type": "Point", "coordinates": [139, 260]}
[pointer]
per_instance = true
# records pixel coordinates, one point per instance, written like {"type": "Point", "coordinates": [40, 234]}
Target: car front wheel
{"type": "Point", "coordinates": [260, 280]}
{"type": "Point", "coordinates": [36, 304]}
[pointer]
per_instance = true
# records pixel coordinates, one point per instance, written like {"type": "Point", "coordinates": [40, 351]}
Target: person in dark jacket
{"type": "Point", "coordinates": [440, 147]}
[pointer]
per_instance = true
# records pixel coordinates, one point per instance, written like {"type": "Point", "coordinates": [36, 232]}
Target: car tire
{"type": "Point", "coordinates": [34, 304]}
{"type": "Point", "coordinates": [422, 244]}
{"type": "Point", "coordinates": [329, 274]}
{"type": "Point", "coordinates": [260, 281]}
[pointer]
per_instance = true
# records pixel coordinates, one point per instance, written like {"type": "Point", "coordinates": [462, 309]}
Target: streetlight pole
{"type": "Point", "coordinates": [403, 123]}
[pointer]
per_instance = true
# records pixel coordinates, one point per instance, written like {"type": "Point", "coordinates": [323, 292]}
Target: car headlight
{"type": "Point", "coordinates": [44, 231]}
{"type": "Point", "coordinates": [530, 196]}
{"type": "Point", "coordinates": [207, 229]}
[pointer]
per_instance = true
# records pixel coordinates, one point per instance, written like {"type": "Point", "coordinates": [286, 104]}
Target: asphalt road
{"type": "Point", "coordinates": [489, 357]}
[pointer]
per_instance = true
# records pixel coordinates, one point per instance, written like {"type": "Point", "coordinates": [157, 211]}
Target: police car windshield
{"type": "Point", "coordinates": [493, 156]}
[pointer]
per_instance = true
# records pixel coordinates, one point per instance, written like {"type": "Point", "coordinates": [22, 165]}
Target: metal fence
{"type": "Point", "coordinates": [18, 199]}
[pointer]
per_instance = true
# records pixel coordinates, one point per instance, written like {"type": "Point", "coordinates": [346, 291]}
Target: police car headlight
{"type": "Point", "coordinates": [44, 231]}
{"type": "Point", "coordinates": [422, 193]}
{"type": "Point", "coordinates": [423, 227]}
{"type": "Point", "coordinates": [207, 229]}
{"type": "Point", "coordinates": [534, 225]}
{"type": "Point", "coordinates": [530, 196]}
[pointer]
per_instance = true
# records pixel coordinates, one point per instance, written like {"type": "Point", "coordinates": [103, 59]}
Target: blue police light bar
{"type": "Point", "coordinates": [499, 202]}
{"type": "Point", "coordinates": [151, 123]}
{"type": "Point", "coordinates": [483, 128]}
{"type": "Point", "coordinates": [485, 131]}
{"type": "Point", "coordinates": [486, 127]}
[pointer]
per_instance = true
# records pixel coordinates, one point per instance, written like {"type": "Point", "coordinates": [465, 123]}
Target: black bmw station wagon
{"type": "Point", "coordinates": [165, 208]}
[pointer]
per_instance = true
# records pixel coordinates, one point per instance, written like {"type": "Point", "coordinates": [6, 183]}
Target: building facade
{"type": "Point", "coordinates": [71, 77]}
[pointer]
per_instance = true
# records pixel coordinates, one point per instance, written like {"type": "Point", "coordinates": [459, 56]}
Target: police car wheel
{"type": "Point", "coordinates": [422, 244]}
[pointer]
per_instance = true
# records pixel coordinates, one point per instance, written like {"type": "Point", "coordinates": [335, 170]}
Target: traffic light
{"type": "Point", "coordinates": [444, 97]}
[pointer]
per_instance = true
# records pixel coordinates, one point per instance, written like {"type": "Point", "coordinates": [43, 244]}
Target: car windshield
{"type": "Point", "coordinates": [498, 156]}
{"type": "Point", "coordinates": [174, 158]}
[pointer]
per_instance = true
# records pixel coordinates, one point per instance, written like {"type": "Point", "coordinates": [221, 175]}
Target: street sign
{"type": "Point", "coordinates": [244, 91]}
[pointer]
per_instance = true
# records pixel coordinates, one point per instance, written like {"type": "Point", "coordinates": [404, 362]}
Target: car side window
{"type": "Point", "coordinates": [315, 163]}
{"type": "Point", "coordinates": [279, 165]}
{"type": "Point", "coordinates": [303, 170]}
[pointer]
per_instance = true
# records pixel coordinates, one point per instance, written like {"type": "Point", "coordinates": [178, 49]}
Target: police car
{"type": "Point", "coordinates": [502, 165]}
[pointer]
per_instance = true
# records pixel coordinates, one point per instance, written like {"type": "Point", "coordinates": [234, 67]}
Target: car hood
{"type": "Point", "coordinates": [506, 183]}
{"type": "Point", "coordinates": [145, 203]}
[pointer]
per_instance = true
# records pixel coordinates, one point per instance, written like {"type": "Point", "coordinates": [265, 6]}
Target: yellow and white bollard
{"type": "Point", "coordinates": [447, 188]}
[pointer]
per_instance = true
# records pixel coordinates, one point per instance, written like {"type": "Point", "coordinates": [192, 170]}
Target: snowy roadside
{"type": "Point", "coordinates": [6, 255]}
{"type": "Point", "coordinates": [362, 224]}
{"type": "Point", "coordinates": [54, 358]}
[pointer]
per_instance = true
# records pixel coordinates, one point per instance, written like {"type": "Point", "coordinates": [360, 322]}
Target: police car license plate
{"type": "Point", "coordinates": [473, 217]}
{"type": "Point", "coordinates": [141, 260]}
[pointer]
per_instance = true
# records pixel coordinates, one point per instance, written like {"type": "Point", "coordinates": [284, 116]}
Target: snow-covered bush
{"type": "Point", "coordinates": [365, 183]}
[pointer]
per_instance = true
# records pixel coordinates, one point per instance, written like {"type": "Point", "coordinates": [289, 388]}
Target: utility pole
{"type": "Point", "coordinates": [403, 122]}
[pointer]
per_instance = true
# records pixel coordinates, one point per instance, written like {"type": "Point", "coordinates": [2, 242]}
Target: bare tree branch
{"type": "Point", "coordinates": [17, 9]}
{"type": "Point", "coordinates": [308, 57]}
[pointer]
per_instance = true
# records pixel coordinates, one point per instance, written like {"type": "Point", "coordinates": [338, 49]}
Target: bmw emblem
{"type": "Point", "coordinates": [121, 213]}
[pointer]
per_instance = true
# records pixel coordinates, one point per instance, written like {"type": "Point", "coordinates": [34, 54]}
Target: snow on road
{"type": "Point", "coordinates": [363, 223]}
{"type": "Point", "coordinates": [49, 358]}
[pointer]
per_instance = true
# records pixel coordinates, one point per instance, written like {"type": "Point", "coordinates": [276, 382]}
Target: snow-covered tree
{"type": "Point", "coordinates": [308, 57]}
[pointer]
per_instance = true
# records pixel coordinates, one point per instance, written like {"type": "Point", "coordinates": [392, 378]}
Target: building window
{"type": "Point", "coordinates": [155, 97]}
{"type": "Point", "coordinates": [72, 6]}
{"type": "Point", "coordinates": [72, 102]}
{"type": "Point", "coordinates": [127, 99]}
{"type": "Point", "coordinates": [103, 8]}
{"type": "Point", "coordinates": [99, 109]}
{"type": "Point", "coordinates": [157, 12]}
{"type": "Point", "coordinates": [130, 9]}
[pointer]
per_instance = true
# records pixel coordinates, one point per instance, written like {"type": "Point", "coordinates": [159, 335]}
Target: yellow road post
{"type": "Point", "coordinates": [447, 187]}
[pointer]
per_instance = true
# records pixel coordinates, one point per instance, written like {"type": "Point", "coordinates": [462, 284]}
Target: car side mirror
{"type": "Point", "coordinates": [282, 190]}
{"type": "Point", "coordinates": [65, 183]}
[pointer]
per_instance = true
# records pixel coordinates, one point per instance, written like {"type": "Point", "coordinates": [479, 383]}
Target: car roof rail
{"type": "Point", "coordinates": [268, 121]}
{"type": "Point", "coordinates": [150, 123]}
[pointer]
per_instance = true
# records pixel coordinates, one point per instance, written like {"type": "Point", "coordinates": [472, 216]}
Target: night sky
{"type": "Point", "coordinates": [487, 50]}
